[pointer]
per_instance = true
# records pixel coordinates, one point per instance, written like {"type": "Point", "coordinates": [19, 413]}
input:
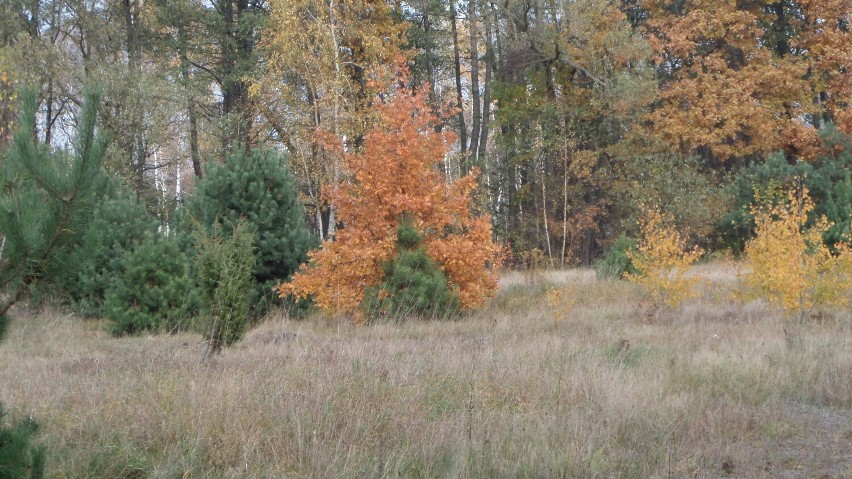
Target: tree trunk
{"type": "Point", "coordinates": [459, 99]}
{"type": "Point", "coordinates": [474, 88]}
{"type": "Point", "coordinates": [486, 97]}
{"type": "Point", "coordinates": [237, 47]}
{"type": "Point", "coordinates": [190, 101]}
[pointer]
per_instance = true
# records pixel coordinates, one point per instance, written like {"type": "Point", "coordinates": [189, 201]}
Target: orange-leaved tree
{"type": "Point", "coordinates": [397, 175]}
{"type": "Point", "coordinates": [743, 78]}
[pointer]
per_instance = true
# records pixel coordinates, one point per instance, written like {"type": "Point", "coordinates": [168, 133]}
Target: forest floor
{"type": "Point", "coordinates": [592, 385]}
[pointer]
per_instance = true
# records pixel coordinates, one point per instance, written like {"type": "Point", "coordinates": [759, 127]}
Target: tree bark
{"type": "Point", "coordinates": [459, 99]}
{"type": "Point", "coordinates": [486, 97]}
{"type": "Point", "coordinates": [190, 101]}
{"type": "Point", "coordinates": [474, 88]}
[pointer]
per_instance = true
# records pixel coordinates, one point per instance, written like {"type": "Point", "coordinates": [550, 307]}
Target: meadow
{"type": "Point", "coordinates": [570, 376]}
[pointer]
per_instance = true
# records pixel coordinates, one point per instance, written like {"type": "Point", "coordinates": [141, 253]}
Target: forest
{"type": "Point", "coordinates": [596, 184]}
{"type": "Point", "coordinates": [574, 113]}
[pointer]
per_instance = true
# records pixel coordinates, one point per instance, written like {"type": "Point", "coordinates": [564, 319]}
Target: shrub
{"type": "Point", "coordinates": [616, 262]}
{"type": "Point", "coordinates": [413, 284]}
{"type": "Point", "coordinates": [224, 267]}
{"type": "Point", "coordinates": [257, 188]}
{"type": "Point", "coordinates": [19, 458]}
{"type": "Point", "coordinates": [791, 264]}
{"type": "Point", "coordinates": [662, 260]}
{"type": "Point", "coordinates": [154, 290]}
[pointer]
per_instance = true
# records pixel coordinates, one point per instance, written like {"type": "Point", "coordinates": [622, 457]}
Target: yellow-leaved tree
{"type": "Point", "coordinates": [790, 264]}
{"type": "Point", "coordinates": [662, 260]}
{"type": "Point", "coordinates": [325, 60]}
{"type": "Point", "coordinates": [397, 176]}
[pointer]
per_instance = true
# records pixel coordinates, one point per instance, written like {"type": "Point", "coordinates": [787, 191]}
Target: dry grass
{"type": "Point", "coordinates": [523, 389]}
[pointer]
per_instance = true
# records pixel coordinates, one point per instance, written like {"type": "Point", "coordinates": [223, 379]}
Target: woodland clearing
{"type": "Point", "coordinates": [589, 385]}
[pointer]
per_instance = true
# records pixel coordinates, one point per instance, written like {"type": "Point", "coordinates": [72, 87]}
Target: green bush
{"type": "Point", "coordinates": [258, 189]}
{"type": "Point", "coordinates": [413, 285]}
{"type": "Point", "coordinates": [154, 290]}
{"type": "Point", "coordinates": [827, 179]}
{"type": "Point", "coordinates": [19, 458]}
{"type": "Point", "coordinates": [117, 223]}
{"type": "Point", "coordinates": [616, 263]}
{"type": "Point", "coordinates": [224, 267]}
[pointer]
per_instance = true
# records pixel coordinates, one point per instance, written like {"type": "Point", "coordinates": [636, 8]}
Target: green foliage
{"type": "Point", "coordinates": [19, 458]}
{"type": "Point", "coordinates": [690, 193]}
{"type": "Point", "coordinates": [616, 262]}
{"type": "Point", "coordinates": [827, 179]}
{"type": "Point", "coordinates": [43, 198]}
{"type": "Point", "coordinates": [154, 290]}
{"type": "Point", "coordinates": [224, 267]}
{"type": "Point", "coordinates": [116, 224]}
{"type": "Point", "coordinates": [413, 285]}
{"type": "Point", "coordinates": [256, 187]}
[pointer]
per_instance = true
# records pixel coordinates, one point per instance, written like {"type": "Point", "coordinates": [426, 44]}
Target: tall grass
{"type": "Point", "coordinates": [708, 391]}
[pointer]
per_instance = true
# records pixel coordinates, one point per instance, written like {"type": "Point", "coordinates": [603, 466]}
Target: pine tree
{"type": "Point", "coordinates": [414, 285]}
{"type": "Point", "coordinates": [116, 224]}
{"type": "Point", "coordinates": [42, 196]}
{"type": "Point", "coordinates": [154, 290]}
{"type": "Point", "coordinates": [19, 458]}
{"type": "Point", "coordinates": [257, 188]}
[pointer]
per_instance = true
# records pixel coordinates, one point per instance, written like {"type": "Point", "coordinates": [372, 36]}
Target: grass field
{"type": "Point", "coordinates": [593, 386]}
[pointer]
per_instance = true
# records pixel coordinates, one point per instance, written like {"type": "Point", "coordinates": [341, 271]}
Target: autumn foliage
{"type": "Point", "coordinates": [790, 264]}
{"type": "Point", "coordinates": [745, 78]}
{"type": "Point", "coordinates": [397, 174]}
{"type": "Point", "coordinates": [662, 260]}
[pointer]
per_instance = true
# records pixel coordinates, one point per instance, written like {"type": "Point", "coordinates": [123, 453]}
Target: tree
{"type": "Point", "coordinates": [396, 176]}
{"type": "Point", "coordinates": [19, 457]}
{"type": "Point", "coordinates": [256, 188]}
{"type": "Point", "coordinates": [662, 260]}
{"type": "Point", "coordinates": [828, 179]}
{"type": "Point", "coordinates": [154, 289]}
{"type": "Point", "coordinates": [326, 60]}
{"type": "Point", "coordinates": [413, 284]}
{"type": "Point", "coordinates": [42, 198]}
{"type": "Point", "coordinates": [739, 77]}
{"type": "Point", "coordinates": [7, 98]}
{"type": "Point", "coordinates": [224, 271]}
{"type": "Point", "coordinates": [573, 80]}
{"type": "Point", "coordinates": [115, 226]}
{"type": "Point", "coordinates": [790, 264]}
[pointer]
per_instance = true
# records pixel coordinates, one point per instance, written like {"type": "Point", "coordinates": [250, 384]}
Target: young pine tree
{"type": "Point", "coordinates": [43, 198]}
{"type": "Point", "coordinates": [154, 290]}
{"type": "Point", "coordinates": [116, 225]}
{"type": "Point", "coordinates": [414, 285]}
{"type": "Point", "coordinates": [19, 457]}
{"type": "Point", "coordinates": [256, 188]}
